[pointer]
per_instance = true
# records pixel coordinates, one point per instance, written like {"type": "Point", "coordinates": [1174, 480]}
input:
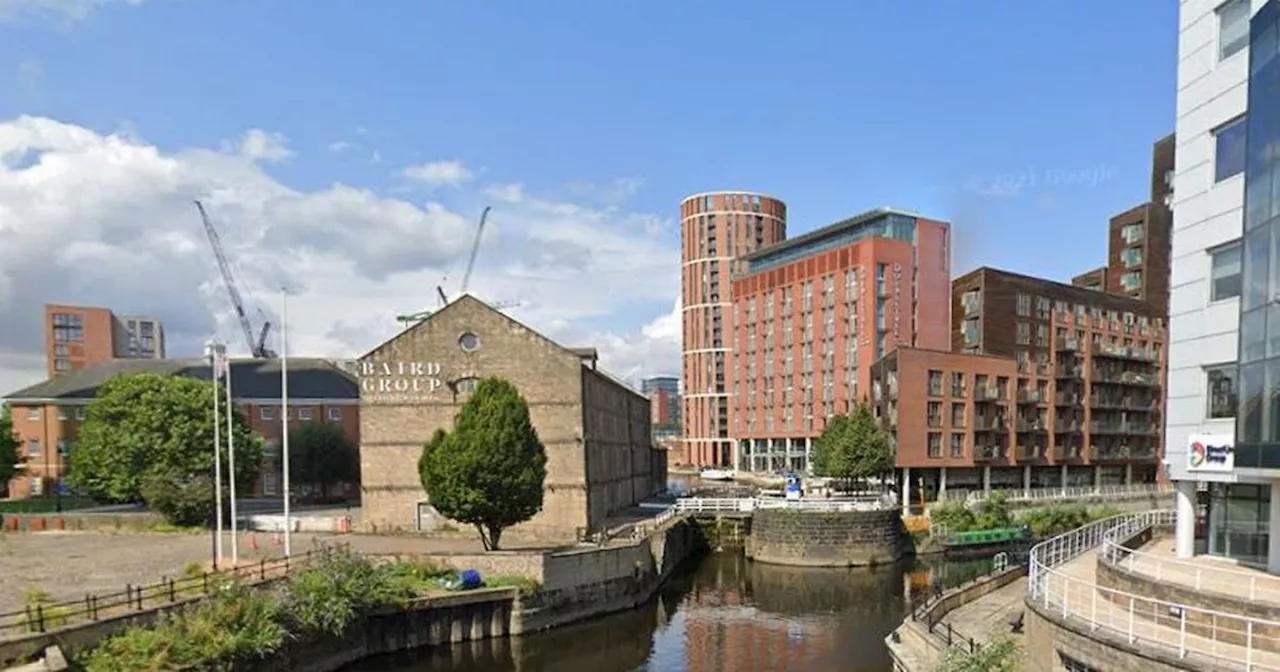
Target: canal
{"type": "Point", "coordinates": [725, 614]}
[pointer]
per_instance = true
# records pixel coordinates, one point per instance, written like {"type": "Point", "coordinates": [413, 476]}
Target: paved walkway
{"type": "Point", "coordinates": [1148, 626]}
{"type": "Point", "coordinates": [989, 614]}
{"type": "Point", "coordinates": [1157, 561]}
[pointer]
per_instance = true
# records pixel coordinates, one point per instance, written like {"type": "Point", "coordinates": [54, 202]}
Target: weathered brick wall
{"type": "Point", "coordinates": [617, 441]}
{"type": "Point", "coordinates": [826, 539]}
{"type": "Point", "coordinates": [393, 428]}
{"type": "Point", "coordinates": [1149, 598]}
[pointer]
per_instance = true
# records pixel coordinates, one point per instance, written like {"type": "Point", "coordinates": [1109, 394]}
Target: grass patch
{"type": "Point", "coordinates": [526, 585]}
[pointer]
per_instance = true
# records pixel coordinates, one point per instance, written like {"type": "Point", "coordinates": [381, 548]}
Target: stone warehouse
{"type": "Point", "coordinates": [600, 459]}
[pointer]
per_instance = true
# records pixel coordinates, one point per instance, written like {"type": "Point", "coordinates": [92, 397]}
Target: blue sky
{"type": "Point", "coordinates": [835, 107]}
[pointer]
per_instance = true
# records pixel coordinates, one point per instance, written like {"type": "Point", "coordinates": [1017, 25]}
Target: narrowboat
{"type": "Point", "coordinates": [982, 542]}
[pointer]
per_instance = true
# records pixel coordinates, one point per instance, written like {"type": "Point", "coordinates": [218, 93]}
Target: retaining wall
{"type": "Point", "coordinates": [827, 538]}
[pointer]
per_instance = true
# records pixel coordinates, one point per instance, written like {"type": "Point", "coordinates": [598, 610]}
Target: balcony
{"type": "Point", "coordinates": [1064, 452]}
{"type": "Point", "coordinates": [1138, 404]}
{"type": "Point", "coordinates": [1143, 453]}
{"type": "Point", "coordinates": [1038, 368]}
{"type": "Point", "coordinates": [988, 393]}
{"type": "Point", "coordinates": [1125, 428]}
{"type": "Point", "coordinates": [1030, 453]}
{"type": "Point", "coordinates": [1124, 352]}
{"type": "Point", "coordinates": [1109, 453]}
{"type": "Point", "coordinates": [1030, 425]}
{"type": "Point", "coordinates": [1068, 344]}
{"type": "Point", "coordinates": [989, 453]}
{"type": "Point", "coordinates": [1066, 399]}
{"type": "Point", "coordinates": [1066, 426]}
{"type": "Point", "coordinates": [1031, 396]}
{"type": "Point", "coordinates": [1069, 372]}
{"type": "Point", "coordinates": [1130, 378]}
{"type": "Point", "coordinates": [990, 425]}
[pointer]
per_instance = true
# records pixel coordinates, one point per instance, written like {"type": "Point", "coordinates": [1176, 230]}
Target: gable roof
{"type": "Point", "coordinates": [309, 378]}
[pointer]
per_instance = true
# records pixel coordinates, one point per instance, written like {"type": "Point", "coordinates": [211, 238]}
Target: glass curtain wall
{"type": "Point", "coordinates": [1258, 410]}
{"type": "Point", "coordinates": [1239, 520]}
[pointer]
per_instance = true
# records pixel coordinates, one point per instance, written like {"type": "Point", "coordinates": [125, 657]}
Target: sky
{"type": "Point", "coordinates": [345, 150]}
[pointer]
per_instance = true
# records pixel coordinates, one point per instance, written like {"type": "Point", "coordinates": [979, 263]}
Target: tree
{"type": "Point", "coordinates": [146, 426]}
{"type": "Point", "coordinates": [489, 470]}
{"type": "Point", "coordinates": [9, 444]}
{"type": "Point", "coordinates": [853, 447]}
{"type": "Point", "coordinates": [320, 454]}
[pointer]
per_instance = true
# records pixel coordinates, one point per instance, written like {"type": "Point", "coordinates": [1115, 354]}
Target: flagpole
{"type": "Point", "coordinates": [231, 469]}
{"type": "Point", "coordinates": [284, 416]}
{"type": "Point", "coordinates": [217, 457]}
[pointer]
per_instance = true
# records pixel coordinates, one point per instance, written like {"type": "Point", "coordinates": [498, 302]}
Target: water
{"type": "Point", "coordinates": [724, 615]}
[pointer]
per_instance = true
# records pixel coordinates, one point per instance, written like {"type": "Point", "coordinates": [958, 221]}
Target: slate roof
{"type": "Point", "coordinates": [250, 379]}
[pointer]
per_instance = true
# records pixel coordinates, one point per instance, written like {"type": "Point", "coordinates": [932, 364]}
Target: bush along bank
{"type": "Point", "coordinates": [994, 513]}
{"type": "Point", "coordinates": [240, 629]}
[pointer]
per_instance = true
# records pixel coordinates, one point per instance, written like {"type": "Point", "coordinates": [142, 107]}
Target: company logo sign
{"type": "Point", "coordinates": [1211, 452]}
{"type": "Point", "coordinates": [399, 381]}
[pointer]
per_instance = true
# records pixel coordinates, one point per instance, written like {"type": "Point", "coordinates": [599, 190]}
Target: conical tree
{"type": "Point", "coordinates": [489, 470]}
{"type": "Point", "coordinates": [853, 447]}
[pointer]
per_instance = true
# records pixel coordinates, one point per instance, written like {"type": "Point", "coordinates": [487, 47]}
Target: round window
{"type": "Point", "coordinates": [469, 342]}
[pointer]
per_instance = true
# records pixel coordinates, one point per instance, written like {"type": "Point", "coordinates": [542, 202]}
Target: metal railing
{"type": "Point", "coordinates": [698, 505]}
{"type": "Point", "coordinates": [1071, 492]}
{"type": "Point", "coordinates": [1258, 586]}
{"type": "Point", "coordinates": [44, 616]}
{"type": "Point", "coordinates": [1224, 641]}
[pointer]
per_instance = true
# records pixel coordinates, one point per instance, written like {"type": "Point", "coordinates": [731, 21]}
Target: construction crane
{"type": "Point", "coordinates": [411, 319]}
{"type": "Point", "coordinates": [257, 347]}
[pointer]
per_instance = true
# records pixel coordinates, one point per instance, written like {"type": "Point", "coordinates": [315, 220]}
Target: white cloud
{"type": "Point", "coordinates": [438, 173]}
{"type": "Point", "coordinates": [340, 146]}
{"type": "Point", "coordinates": [107, 219]}
{"type": "Point", "coordinates": [507, 193]}
{"type": "Point", "coordinates": [260, 145]}
{"type": "Point", "coordinates": [74, 10]}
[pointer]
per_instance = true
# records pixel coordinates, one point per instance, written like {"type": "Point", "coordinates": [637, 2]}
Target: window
{"type": "Point", "coordinates": [1239, 521]}
{"type": "Point", "coordinates": [34, 449]}
{"type": "Point", "coordinates": [1229, 149]}
{"type": "Point", "coordinates": [270, 484]}
{"type": "Point", "coordinates": [1024, 305]}
{"type": "Point", "coordinates": [1023, 335]}
{"type": "Point", "coordinates": [62, 414]}
{"type": "Point", "coordinates": [957, 415]}
{"type": "Point", "coordinates": [1132, 233]}
{"type": "Point", "coordinates": [80, 413]}
{"type": "Point", "coordinates": [957, 445]}
{"type": "Point", "coordinates": [1222, 390]}
{"type": "Point", "coordinates": [1224, 272]}
{"type": "Point", "coordinates": [33, 413]}
{"type": "Point", "coordinates": [466, 385]}
{"type": "Point", "coordinates": [1070, 664]}
{"type": "Point", "coordinates": [957, 385]}
{"type": "Point", "coordinates": [267, 413]}
{"type": "Point", "coordinates": [1131, 280]}
{"type": "Point", "coordinates": [935, 414]}
{"type": "Point", "coordinates": [1132, 257]}
{"type": "Point", "coordinates": [64, 448]}
{"type": "Point", "coordinates": [1233, 28]}
{"type": "Point", "coordinates": [304, 414]}
{"type": "Point", "coordinates": [271, 448]}
{"type": "Point", "coordinates": [935, 445]}
{"type": "Point", "coordinates": [935, 383]}
{"type": "Point", "coordinates": [335, 415]}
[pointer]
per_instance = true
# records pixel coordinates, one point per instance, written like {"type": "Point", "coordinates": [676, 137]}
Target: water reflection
{"type": "Point", "coordinates": [727, 615]}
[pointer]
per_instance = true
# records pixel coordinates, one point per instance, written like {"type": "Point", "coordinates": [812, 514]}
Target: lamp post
{"type": "Point", "coordinates": [217, 359]}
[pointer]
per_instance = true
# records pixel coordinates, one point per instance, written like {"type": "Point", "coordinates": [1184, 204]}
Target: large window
{"type": "Point", "coordinates": [1222, 390]}
{"type": "Point", "coordinates": [1229, 149]}
{"type": "Point", "coordinates": [1233, 28]}
{"type": "Point", "coordinates": [1224, 274]}
{"type": "Point", "coordinates": [1239, 518]}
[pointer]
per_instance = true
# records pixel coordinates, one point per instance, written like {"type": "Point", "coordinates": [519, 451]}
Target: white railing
{"type": "Point", "coordinates": [1224, 579]}
{"type": "Point", "coordinates": [1073, 492]}
{"type": "Point", "coordinates": [1228, 641]}
{"type": "Point", "coordinates": [698, 505]}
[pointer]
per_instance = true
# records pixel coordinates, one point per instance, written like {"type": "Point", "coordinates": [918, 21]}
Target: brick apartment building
{"type": "Point", "coordinates": [596, 430]}
{"type": "Point", "coordinates": [47, 415]}
{"type": "Point", "coordinates": [716, 229]}
{"type": "Point", "coordinates": [812, 314]}
{"type": "Point", "coordinates": [77, 337]}
{"type": "Point", "coordinates": [1045, 385]}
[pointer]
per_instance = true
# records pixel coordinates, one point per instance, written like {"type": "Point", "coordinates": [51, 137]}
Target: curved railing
{"type": "Point", "coordinates": [1225, 579]}
{"type": "Point", "coordinates": [1226, 641]}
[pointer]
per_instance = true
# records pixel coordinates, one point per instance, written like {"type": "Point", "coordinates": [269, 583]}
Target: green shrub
{"type": "Point", "coordinates": [231, 628]}
{"type": "Point", "coordinates": [184, 501]}
{"type": "Point", "coordinates": [953, 516]}
{"type": "Point", "coordinates": [1001, 654]}
{"type": "Point", "coordinates": [331, 592]}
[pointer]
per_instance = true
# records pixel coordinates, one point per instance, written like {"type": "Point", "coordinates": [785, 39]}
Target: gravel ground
{"type": "Point", "coordinates": [69, 565]}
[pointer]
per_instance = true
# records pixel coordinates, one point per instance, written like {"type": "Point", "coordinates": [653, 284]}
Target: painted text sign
{"type": "Point", "coordinates": [403, 380]}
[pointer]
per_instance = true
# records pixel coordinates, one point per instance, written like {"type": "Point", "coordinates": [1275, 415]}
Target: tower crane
{"type": "Point", "coordinates": [413, 318]}
{"type": "Point", "coordinates": [257, 347]}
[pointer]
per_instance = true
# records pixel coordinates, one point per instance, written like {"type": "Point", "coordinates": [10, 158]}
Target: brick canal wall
{"type": "Point", "coordinates": [827, 538]}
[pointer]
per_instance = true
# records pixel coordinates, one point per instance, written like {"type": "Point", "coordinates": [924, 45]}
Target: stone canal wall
{"type": "Point", "coordinates": [582, 583]}
{"type": "Point", "coordinates": [827, 538]}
